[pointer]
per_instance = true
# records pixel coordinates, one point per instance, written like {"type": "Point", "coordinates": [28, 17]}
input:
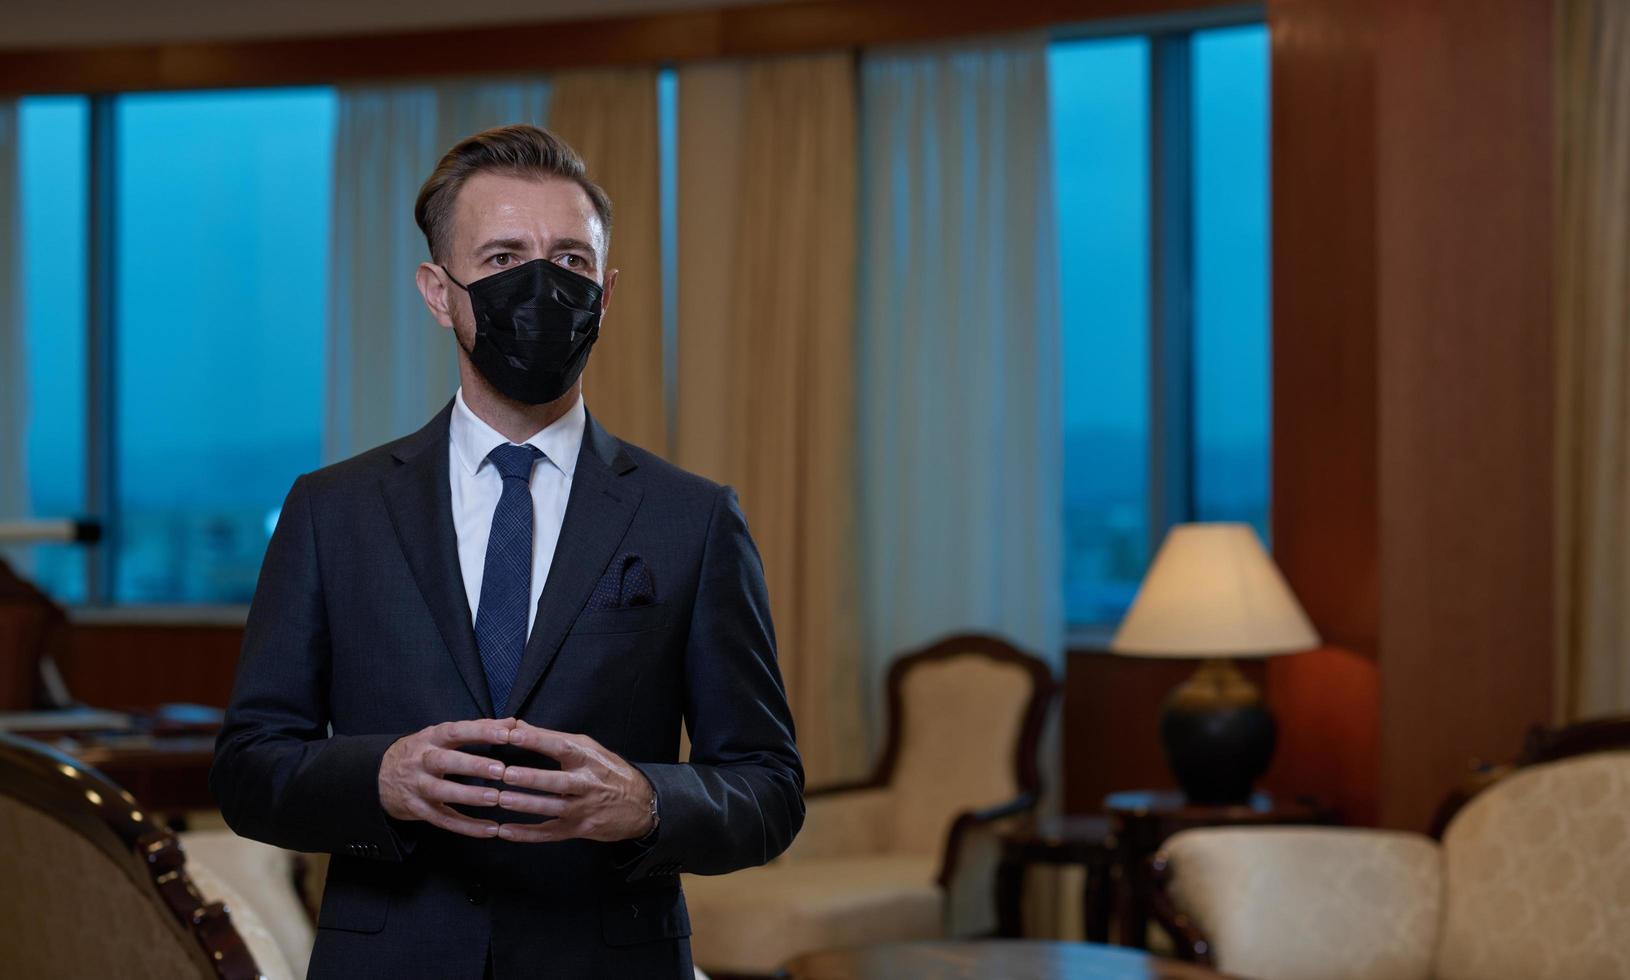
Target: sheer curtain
{"type": "Point", "coordinates": [1593, 358]}
{"type": "Point", "coordinates": [13, 352]}
{"type": "Point", "coordinates": [767, 153]}
{"type": "Point", "coordinates": [391, 366]}
{"type": "Point", "coordinates": [961, 454]}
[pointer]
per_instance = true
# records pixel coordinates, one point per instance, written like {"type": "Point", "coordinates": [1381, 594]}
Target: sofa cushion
{"type": "Point", "coordinates": [1538, 875]}
{"type": "Point", "coordinates": [755, 920]}
{"type": "Point", "coordinates": [1311, 903]}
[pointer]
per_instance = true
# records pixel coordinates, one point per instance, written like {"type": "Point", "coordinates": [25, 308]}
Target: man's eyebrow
{"type": "Point", "coordinates": [573, 245]}
{"type": "Point", "coordinates": [504, 244]}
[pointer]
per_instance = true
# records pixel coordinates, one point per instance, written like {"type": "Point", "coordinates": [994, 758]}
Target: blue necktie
{"type": "Point", "coordinates": [506, 584]}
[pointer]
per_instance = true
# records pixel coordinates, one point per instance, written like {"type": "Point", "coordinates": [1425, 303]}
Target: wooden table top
{"type": "Point", "coordinates": [991, 959]}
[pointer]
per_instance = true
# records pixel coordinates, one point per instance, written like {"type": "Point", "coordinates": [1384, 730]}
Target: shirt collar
{"type": "Point", "coordinates": [473, 439]}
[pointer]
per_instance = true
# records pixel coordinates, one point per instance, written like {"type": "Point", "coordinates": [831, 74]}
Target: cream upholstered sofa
{"type": "Point", "coordinates": [1530, 882]}
{"type": "Point", "coordinates": [910, 853]}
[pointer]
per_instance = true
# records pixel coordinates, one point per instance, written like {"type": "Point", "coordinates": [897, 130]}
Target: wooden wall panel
{"type": "Point", "coordinates": [687, 35]}
{"type": "Point", "coordinates": [1326, 505]}
{"type": "Point", "coordinates": [138, 666]}
{"type": "Point", "coordinates": [1466, 409]}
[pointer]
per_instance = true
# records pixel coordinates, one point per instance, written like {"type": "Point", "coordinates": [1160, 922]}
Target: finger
{"type": "Point", "coordinates": [557, 745]}
{"type": "Point", "coordinates": [538, 833]}
{"type": "Point", "coordinates": [549, 806]}
{"type": "Point", "coordinates": [546, 780]}
{"type": "Point", "coordinates": [454, 822]}
{"type": "Point", "coordinates": [446, 791]}
{"type": "Point", "coordinates": [451, 762]}
{"type": "Point", "coordinates": [484, 732]}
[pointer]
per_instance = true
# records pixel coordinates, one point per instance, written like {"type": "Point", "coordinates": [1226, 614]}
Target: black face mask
{"type": "Point", "coordinates": [534, 325]}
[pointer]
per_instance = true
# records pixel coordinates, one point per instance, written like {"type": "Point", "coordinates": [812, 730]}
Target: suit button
{"type": "Point", "coordinates": [476, 893]}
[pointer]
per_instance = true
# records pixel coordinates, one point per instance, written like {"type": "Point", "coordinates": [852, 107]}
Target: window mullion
{"type": "Point", "coordinates": [1171, 284]}
{"type": "Point", "coordinates": [100, 326]}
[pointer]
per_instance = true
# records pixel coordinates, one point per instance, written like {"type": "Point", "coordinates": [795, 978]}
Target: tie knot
{"type": "Point", "coordinates": [514, 462]}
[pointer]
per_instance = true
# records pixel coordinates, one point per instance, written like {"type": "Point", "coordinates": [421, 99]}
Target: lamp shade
{"type": "Point", "coordinates": [1214, 592]}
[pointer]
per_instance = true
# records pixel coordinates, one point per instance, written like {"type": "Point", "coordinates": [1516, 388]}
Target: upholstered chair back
{"type": "Point", "coordinates": [67, 911]}
{"type": "Point", "coordinates": [1537, 874]}
{"type": "Point", "coordinates": [90, 886]}
{"type": "Point", "coordinates": [961, 718]}
{"type": "Point", "coordinates": [1310, 903]}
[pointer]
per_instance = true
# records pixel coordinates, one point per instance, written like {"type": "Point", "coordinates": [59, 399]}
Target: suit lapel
{"type": "Point", "coordinates": [419, 499]}
{"type": "Point", "coordinates": [598, 512]}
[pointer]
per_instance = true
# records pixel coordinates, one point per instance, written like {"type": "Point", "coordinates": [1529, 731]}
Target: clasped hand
{"type": "Point", "coordinates": [594, 795]}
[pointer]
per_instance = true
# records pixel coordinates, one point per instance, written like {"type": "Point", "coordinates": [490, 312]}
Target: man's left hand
{"type": "Point", "coordinates": [594, 794]}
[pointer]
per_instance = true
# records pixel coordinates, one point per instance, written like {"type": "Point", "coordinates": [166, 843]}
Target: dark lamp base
{"type": "Point", "coordinates": [1218, 735]}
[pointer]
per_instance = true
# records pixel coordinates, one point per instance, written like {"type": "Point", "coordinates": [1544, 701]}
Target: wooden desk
{"type": "Point", "coordinates": [990, 959]}
{"type": "Point", "coordinates": [162, 758]}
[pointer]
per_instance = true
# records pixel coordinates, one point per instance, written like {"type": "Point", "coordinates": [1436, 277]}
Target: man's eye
{"type": "Point", "coordinates": [502, 259]}
{"type": "Point", "coordinates": [571, 261]}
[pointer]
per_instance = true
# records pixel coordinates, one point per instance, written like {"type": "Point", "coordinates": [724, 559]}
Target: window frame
{"type": "Point", "coordinates": [1172, 494]}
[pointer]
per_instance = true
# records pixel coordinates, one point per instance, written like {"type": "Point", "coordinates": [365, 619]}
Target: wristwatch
{"type": "Point", "coordinates": [656, 821]}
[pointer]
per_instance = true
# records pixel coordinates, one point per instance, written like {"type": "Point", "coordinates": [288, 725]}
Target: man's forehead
{"type": "Point", "coordinates": [507, 205]}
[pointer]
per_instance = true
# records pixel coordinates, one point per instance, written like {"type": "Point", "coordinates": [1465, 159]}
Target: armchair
{"type": "Point", "coordinates": [909, 853]}
{"type": "Point", "coordinates": [93, 887]}
{"type": "Point", "coordinates": [1527, 883]}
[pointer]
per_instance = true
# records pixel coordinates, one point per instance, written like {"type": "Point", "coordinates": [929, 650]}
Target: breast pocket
{"type": "Point", "coordinates": [627, 619]}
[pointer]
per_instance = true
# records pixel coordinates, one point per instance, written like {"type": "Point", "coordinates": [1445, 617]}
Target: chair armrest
{"type": "Point", "coordinates": [973, 851]}
{"type": "Point", "coordinates": [972, 821]}
{"type": "Point", "coordinates": [844, 822]}
{"type": "Point", "coordinates": [1188, 941]}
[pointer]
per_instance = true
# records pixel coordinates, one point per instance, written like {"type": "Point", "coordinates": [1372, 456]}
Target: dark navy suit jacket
{"type": "Point", "coordinates": [360, 633]}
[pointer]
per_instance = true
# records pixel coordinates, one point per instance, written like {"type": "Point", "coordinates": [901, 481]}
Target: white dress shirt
{"type": "Point", "coordinates": [476, 487]}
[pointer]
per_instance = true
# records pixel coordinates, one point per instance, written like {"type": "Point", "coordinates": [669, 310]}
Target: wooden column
{"type": "Point", "coordinates": [1467, 391]}
{"type": "Point", "coordinates": [1413, 390]}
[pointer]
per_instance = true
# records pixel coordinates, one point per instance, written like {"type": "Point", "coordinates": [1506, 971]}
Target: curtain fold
{"type": "Point", "coordinates": [961, 453]}
{"type": "Point", "coordinates": [391, 366]}
{"type": "Point", "coordinates": [13, 350]}
{"type": "Point", "coordinates": [767, 153]}
{"type": "Point", "coordinates": [610, 117]}
{"type": "Point", "coordinates": [1593, 358]}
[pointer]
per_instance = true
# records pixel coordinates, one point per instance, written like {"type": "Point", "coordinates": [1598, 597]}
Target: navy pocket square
{"type": "Point", "coordinates": [627, 582]}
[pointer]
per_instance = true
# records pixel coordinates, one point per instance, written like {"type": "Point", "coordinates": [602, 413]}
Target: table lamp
{"type": "Point", "coordinates": [1213, 593]}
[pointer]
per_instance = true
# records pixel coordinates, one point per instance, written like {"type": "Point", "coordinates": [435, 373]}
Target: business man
{"type": "Point", "coordinates": [471, 650]}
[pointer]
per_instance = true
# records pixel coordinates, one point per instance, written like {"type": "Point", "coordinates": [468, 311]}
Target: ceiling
{"type": "Point", "coordinates": [81, 23]}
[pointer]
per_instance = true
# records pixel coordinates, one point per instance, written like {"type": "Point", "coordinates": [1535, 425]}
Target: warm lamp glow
{"type": "Point", "coordinates": [1214, 592]}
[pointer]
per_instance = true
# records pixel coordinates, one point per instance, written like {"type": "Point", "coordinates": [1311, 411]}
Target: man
{"type": "Point", "coordinates": [470, 650]}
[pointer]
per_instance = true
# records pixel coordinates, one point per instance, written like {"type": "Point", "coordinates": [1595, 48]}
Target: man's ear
{"type": "Point", "coordinates": [432, 283]}
{"type": "Point", "coordinates": [605, 291]}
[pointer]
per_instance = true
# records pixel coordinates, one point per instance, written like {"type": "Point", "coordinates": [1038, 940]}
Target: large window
{"type": "Point", "coordinates": [1160, 147]}
{"type": "Point", "coordinates": [180, 410]}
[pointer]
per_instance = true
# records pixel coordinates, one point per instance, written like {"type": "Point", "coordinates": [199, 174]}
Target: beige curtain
{"type": "Point", "coordinates": [1593, 358]}
{"type": "Point", "coordinates": [610, 117]}
{"type": "Point", "coordinates": [767, 162]}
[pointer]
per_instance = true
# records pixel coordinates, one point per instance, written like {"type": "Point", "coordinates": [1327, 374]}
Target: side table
{"type": "Point", "coordinates": [1083, 840]}
{"type": "Point", "coordinates": [1143, 819]}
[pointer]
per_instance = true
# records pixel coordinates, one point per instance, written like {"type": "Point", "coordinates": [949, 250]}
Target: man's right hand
{"type": "Point", "coordinates": [412, 776]}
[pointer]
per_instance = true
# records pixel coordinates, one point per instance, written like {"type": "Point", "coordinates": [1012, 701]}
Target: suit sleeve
{"type": "Point", "coordinates": [278, 775]}
{"type": "Point", "coordinates": [739, 801]}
